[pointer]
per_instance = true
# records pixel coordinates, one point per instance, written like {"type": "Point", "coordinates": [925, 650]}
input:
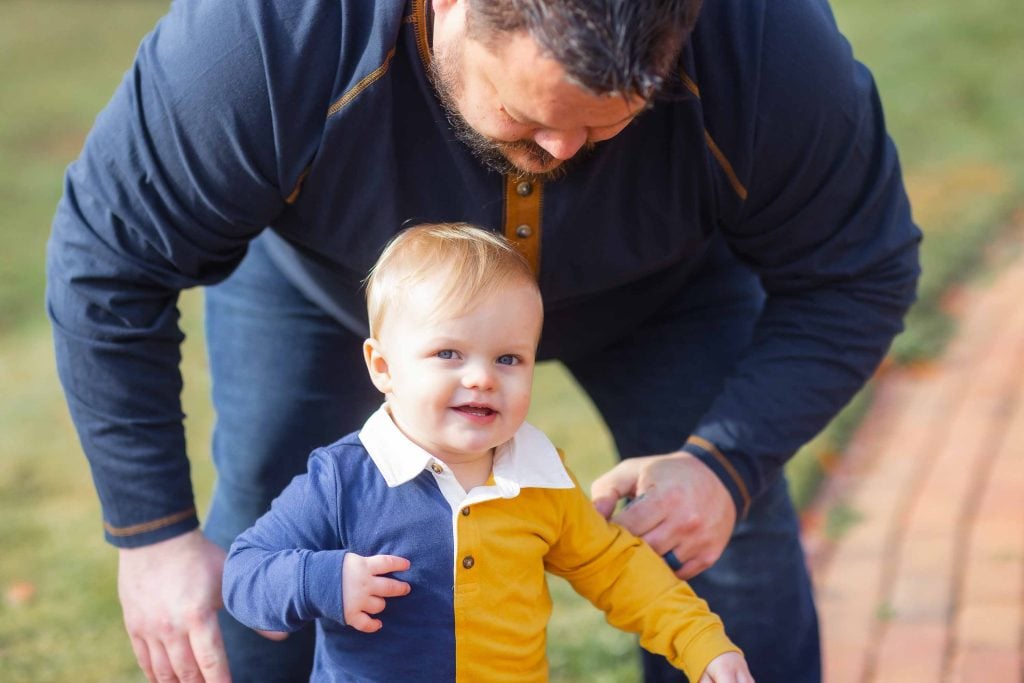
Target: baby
{"type": "Point", "coordinates": [419, 545]}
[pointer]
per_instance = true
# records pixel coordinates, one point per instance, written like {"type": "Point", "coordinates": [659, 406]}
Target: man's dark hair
{"type": "Point", "coordinates": [626, 47]}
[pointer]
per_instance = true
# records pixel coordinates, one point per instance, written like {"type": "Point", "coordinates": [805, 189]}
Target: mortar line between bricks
{"type": "Point", "coordinates": [894, 542]}
{"type": "Point", "coordinates": [987, 312]}
{"type": "Point", "coordinates": [983, 552]}
{"type": "Point", "coordinates": [1011, 336]}
{"type": "Point", "coordinates": [891, 558]}
{"type": "Point", "coordinates": [933, 401]}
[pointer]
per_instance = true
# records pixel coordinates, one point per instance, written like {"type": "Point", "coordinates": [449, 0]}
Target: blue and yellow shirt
{"type": "Point", "coordinates": [479, 605]}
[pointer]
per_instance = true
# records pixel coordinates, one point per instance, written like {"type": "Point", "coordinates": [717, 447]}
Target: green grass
{"type": "Point", "coordinates": [952, 78]}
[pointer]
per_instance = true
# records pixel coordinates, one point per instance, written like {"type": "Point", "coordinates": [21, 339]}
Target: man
{"type": "Point", "coordinates": [716, 219]}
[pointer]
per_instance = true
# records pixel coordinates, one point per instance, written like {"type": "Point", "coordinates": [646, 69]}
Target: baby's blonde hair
{"type": "Point", "coordinates": [470, 263]}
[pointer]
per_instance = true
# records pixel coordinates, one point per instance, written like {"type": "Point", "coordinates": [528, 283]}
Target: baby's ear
{"type": "Point", "coordinates": [377, 365]}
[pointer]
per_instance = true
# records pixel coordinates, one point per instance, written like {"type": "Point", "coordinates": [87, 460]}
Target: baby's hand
{"type": "Point", "coordinates": [363, 589]}
{"type": "Point", "coordinates": [728, 668]}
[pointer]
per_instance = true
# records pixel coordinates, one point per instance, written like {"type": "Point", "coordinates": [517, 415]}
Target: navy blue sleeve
{"type": "Point", "coordinates": [285, 570]}
{"type": "Point", "coordinates": [821, 214]}
{"type": "Point", "coordinates": [198, 150]}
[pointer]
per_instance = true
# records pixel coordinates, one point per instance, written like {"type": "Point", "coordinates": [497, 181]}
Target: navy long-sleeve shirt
{"type": "Point", "coordinates": [316, 120]}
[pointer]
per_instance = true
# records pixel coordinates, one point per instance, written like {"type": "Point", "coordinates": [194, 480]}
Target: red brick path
{"type": "Point", "coordinates": [926, 583]}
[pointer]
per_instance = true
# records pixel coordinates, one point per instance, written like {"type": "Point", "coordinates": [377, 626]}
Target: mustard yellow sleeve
{"type": "Point", "coordinates": [623, 577]}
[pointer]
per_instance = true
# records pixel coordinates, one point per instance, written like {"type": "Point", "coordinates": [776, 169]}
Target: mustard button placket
{"type": "Point", "coordinates": [522, 222]}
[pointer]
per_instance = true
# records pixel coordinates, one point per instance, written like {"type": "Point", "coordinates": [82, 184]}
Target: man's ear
{"type": "Point", "coordinates": [377, 365]}
{"type": "Point", "coordinates": [449, 19]}
{"type": "Point", "coordinates": [444, 5]}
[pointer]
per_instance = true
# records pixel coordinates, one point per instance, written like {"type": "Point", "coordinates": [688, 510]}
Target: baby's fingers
{"type": "Point", "coordinates": [385, 564]}
{"type": "Point", "coordinates": [365, 623]}
{"type": "Point", "coordinates": [390, 588]}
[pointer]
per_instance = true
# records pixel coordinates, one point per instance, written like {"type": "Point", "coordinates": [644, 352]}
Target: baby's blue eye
{"type": "Point", "coordinates": [446, 354]}
{"type": "Point", "coordinates": [507, 359]}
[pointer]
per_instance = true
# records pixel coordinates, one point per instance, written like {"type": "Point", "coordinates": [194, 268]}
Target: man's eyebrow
{"type": "Point", "coordinates": [519, 117]}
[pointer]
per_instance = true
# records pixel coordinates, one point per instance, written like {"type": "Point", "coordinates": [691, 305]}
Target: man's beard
{"type": "Point", "coordinates": [446, 79]}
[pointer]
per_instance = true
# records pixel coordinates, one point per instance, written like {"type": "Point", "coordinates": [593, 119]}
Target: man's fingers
{"type": "Point", "coordinates": [160, 663]}
{"type": "Point", "coordinates": [141, 651]}
{"type": "Point", "coordinates": [616, 483]}
{"type": "Point", "coordinates": [642, 516]}
{"type": "Point", "coordinates": [179, 651]}
{"type": "Point", "coordinates": [385, 564]}
{"type": "Point", "coordinates": [693, 567]}
{"type": "Point", "coordinates": [208, 649]}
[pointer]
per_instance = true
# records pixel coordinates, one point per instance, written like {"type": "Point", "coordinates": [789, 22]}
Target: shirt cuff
{"type": "Point", "coordinates": [708, 453]}
{"type": "Point", "coordinates": [154, 531]}
{"type": "Point", "coordinates": [321, 585]}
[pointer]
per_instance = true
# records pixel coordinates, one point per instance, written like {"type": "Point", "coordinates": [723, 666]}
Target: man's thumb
{"type": "Point", "coordinates": [607, 489]}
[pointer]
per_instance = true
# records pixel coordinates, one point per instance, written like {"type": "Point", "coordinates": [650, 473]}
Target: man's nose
{"type": "Point", "coordinates": [561, 144]}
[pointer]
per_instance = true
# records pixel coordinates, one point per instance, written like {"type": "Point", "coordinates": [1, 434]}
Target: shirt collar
{"type": "Point", "coordinates": [527, 460]}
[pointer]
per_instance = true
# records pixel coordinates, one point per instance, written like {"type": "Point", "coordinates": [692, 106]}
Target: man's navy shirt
{"type": "Point", "coordinates": [316, 119]}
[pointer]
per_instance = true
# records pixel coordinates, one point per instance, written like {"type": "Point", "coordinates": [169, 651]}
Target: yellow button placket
{"type": "Point", "coordinates": [523, 201]}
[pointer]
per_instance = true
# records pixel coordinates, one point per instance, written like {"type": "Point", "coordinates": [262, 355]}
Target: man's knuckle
{"type": "Point", "coordinates": [208, 660]}
{"type": "Point", "coordinates": [194, 617]}
{"type": "Point", "coordinates": [190, 675]}
{"type": "Point", "coordinates": [165, 676]}
{"type": "Point", "coordinates": [690, 520]}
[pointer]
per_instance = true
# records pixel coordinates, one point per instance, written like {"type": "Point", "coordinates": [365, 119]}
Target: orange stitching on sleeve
{"type": "Point", "coordinates": [689, 83]}
{"type": "Point", "coordinates": [723, 161]}
{"type": "Point", "coordinates": [294, 196]}
{"type": "Point", "coordinates": [737, 186]}
{"type": "Point", "coordinates": [724, 462]}
{"type": "Point", "coordinates": [135, 529]}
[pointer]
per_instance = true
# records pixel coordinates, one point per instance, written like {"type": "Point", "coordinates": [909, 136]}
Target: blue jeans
{"type": "Point", "coordinates": [287, 378]}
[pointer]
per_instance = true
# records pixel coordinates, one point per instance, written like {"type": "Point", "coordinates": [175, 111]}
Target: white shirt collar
{"type": "Point", "coordinates": [527, 460]}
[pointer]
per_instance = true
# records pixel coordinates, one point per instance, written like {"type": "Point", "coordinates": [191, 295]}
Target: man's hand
{"type": "Point", "coordinates": [363, 589]}
{"type": "Point", "coordinates": [728, 668]}
{"type": "Point", "coordinates": [679, 505]}
{"type": "Point", "coordinates": [170, 594]}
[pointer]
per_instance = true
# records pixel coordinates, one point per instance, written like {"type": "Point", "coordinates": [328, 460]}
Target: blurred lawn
{"type": "Point", "coordinates": [952, 78]}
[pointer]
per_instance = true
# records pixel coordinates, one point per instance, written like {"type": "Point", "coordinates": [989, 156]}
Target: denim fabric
{"type": "Point", "coordinates": [287, 378]}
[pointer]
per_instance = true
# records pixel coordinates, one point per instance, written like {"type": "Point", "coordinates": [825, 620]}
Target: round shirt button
{"type": "Point", "coordinates": [524, 231]}
{"type": "Point", "coordinates": [437, 468]}
{"type": "Point", "coordinates": [465, 512]}
{"type": "Point", "coordinates": [468, 562]}
{"type": "Point", "coordinates": [524, 189]}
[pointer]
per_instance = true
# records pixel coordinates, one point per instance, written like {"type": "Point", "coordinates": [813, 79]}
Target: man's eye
{"type": "Point", "coordinates": [446, 354]}
{"type": "Point", "coordinates": [508, 359]}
